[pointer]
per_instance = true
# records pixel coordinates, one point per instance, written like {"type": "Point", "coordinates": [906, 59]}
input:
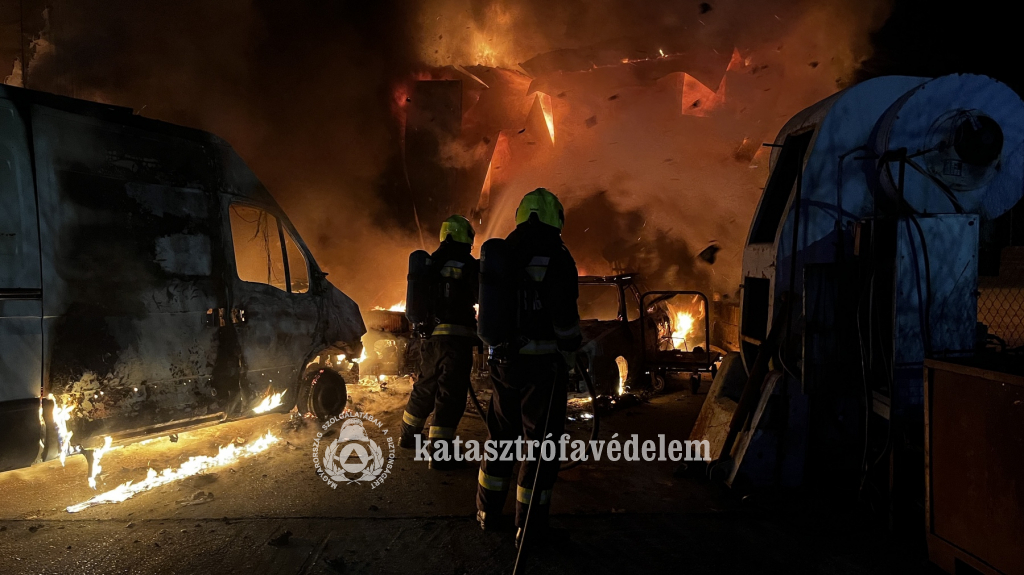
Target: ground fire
{"type": "Point", "coordinates": [511, 286]}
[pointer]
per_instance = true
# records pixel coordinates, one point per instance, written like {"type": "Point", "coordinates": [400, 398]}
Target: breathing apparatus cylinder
{"type": "Point", "coordinates": [497, 318]}
{"type": "Point", "coordinates": [418, 296]}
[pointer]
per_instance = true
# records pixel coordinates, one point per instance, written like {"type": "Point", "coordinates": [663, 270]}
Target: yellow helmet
{"type": "Point", "coordinates": [459, 229]}
{"type": "Point", "coordinates": [543, 203]}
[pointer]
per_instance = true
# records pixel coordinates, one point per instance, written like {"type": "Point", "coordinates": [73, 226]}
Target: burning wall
{"type": "Point", "coordinates": [656, 152]}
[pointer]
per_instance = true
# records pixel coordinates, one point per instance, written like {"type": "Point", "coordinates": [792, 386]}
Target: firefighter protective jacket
{"type": "Point", "coordinates": [548, 317]}
{"type": "Point", "coordinates": [458, 281]}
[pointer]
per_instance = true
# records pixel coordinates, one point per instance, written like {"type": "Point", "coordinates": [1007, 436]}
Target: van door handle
{"type": "Point", "coordinates": [237, 315]}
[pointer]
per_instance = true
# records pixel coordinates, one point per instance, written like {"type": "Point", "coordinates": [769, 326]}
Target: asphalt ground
{"type": "Point", "coordinates": [271, 513]}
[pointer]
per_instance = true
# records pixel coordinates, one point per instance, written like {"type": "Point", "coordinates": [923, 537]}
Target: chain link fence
{"type": "Point", "coordinates": [1001, 298]}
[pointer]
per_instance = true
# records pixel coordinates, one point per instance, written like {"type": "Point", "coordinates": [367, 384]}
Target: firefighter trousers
{"type": "Point", "coordinates": [441, 387]}
{"type": "Point", "coordinates": [519, 407]}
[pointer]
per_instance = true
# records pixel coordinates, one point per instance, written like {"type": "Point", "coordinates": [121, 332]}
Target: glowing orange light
{"type": "Point", "coordinates": [193, 466]}
{"type": "Point", "coordinates": [682, 326]}
{"type": "Point", "coordinates": [400, 306]}
{"type": "Point", "coordinates": [545, 106]}
{"type": "Point", "coordinates": [623, 366]}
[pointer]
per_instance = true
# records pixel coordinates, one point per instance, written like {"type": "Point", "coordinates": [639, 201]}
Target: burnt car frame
{"type": "Point", "coordinates": [627, 335]}
{"type": "Point", "coordinates": [149, 284]}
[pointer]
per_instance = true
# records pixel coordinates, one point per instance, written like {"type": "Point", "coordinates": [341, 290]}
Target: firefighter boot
{"type": "Point", "coordinates": [407, 440]}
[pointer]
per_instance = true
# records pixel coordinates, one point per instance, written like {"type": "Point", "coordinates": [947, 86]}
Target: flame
{"type": "Point", "coordinates": [623, 366]}
{"type": "Point", "coordinates": [400, 306]}
{"type": "Point", "coordinates": [194, 466]}
{"type": "Point", "coordinates": [682, 327]}
{"type": "Point", "coordinates": [362, 356]}
{"type": "Point", "coordinates": [97, 454]}
{"type": "Point", "coordinates": [545, 106]}
{"type": "Point", "coordinates": [683, 322]}
{"type": "Point", "coordinates": [61, 416]}
{"type": "Point", "coordinates": [269, 402]}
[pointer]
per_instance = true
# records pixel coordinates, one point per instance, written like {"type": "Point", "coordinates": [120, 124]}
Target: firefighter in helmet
{"type": "Point", "coordinates": [530, 371]}
{"type": "Point", "coordinates": [446, 360]}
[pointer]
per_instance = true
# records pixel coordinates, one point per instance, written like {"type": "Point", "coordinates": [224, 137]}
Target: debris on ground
{"type": "Point", "coordinates": [295, 422]}
{"type": "Point", "coordinates": [198, 498]}
{"type": "Point", "coordinates": [202, 479]}
{"type": "Point", "coordinates": [280, 540]}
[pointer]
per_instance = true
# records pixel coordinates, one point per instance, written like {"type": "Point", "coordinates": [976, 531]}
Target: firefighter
{"type": "Point", "coordinates": [530, 371]}
{"type": "Point", "coordinates": [446, 358]}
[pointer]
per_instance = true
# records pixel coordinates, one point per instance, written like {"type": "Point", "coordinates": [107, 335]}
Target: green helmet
{"type": "Point", "coordinates": [543, 203]}
{"type": "Point", "coordinates": [459, 229]}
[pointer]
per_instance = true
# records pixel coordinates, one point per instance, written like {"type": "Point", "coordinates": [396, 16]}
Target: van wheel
{"type": "Point", "coordinates": [324, 395]}
{"type": "Point", "coordinates": [657, 383]}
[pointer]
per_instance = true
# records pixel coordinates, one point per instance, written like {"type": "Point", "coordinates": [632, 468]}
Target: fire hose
{"type": "Point", "coordinates": [536, 478]}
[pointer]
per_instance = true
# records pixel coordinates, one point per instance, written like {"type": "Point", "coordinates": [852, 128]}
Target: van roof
{"type": "Point", "coordinates": [23, 98]}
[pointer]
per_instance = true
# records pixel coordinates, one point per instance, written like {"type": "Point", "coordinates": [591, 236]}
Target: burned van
{"type": "Point", "coordinates": [149, 284]}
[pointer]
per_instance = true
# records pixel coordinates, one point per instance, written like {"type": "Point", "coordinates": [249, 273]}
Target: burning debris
{"type": "Point", "coordinates": [97, 455]}
{"type": "Point", "coordinates": [623, 367]}
{"type": "Point", "coordinates": [398, 307]}
{"type": "Point", "coordinates": [680, 333]}
{"type": "Point", "coordinates": [61, 416]}
{"type": "Point", "coordinates": [195, 465]}
{"type": "Point", "coordinates": [270, 402]}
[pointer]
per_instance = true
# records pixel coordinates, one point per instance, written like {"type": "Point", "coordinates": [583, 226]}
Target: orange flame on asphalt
{"type": "Point", "coordinates": [194, 466]}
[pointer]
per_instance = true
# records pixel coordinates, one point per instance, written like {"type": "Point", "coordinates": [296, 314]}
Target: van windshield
{"type": "Point", "coordinates": [600, 302]}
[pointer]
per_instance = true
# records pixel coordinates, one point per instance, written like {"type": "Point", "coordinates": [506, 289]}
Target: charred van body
{"type": "Point", "coordinates": [149, 283]}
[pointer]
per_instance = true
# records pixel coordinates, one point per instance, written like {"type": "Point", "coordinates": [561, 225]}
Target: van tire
{"type": "Point", "coordinates": [657, 383]}
{"type": "Point", "coordinates": [323, 395]}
